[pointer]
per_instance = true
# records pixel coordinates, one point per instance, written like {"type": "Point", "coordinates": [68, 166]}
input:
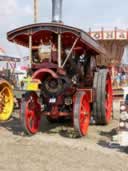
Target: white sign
{"type": "Point", "coordinates": [110, 35]}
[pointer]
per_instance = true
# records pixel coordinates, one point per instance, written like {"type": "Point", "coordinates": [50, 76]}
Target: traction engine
{"type": "Point", "coordinates": [66, 82]}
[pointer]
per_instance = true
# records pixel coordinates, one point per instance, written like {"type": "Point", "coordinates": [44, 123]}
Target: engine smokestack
{"type": "Point", "coordinates": [57, 11]}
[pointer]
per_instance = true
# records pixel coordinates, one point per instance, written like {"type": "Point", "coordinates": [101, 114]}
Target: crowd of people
{"type": "Point", "coordinates": [120, 79]}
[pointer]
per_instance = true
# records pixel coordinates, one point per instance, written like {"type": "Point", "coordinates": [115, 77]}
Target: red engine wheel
{"type": "Point", "coordinates": [30, 113]}
{"type": "Point", "coordinates": [81, 114]}
{"type": "Point", "coordinates": [102, 107]}
{"type": "Point", "coordinates": [108, 98]}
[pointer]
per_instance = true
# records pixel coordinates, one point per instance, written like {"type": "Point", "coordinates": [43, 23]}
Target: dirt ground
{"type": "Point", "coordinates": [55, 149]}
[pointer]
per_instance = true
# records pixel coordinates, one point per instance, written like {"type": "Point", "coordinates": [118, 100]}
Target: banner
{"type": "Point", "coordinates": [109, 35]}
{"type": "Point", "coordinates": [12, 65]}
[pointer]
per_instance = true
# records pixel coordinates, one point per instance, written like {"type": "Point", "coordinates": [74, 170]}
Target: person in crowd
{"type": "Point", "coordinates": [22, 84]}
{"type": "Point", "coordinates": [123, 78]}
{"type": "Point", "coordinates": [118, 79]}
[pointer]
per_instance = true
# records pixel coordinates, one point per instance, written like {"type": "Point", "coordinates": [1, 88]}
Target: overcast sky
{"type": "Point", "coordinates": [79, 13]}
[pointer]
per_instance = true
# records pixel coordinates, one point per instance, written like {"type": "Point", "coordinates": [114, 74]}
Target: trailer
{"type": "Point", "coordinates": [66, 81]}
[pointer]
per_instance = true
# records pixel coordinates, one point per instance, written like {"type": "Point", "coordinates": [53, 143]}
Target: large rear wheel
{"type": "Point", "coordinates": [30, 113]}
{"type": "Point", "coordinates": [102, 107]}
{"type": "Point", "coordinates": [81, 114]}
{"type": "Point", "coordinates": [6, 100]}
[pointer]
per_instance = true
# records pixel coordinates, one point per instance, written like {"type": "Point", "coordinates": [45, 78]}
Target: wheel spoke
{"type": "Point", "coordinates": [6, 99]}
{"type": "Point", "coordinates": [5, 88]}
{"type": "Point", "coordinates": [83, 108]}
{"type": "Point", "coordinates": [82, 118]}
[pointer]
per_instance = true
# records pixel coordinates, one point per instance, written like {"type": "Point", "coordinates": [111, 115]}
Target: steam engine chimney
{"type": "Point", "coordinates": [57, 11]}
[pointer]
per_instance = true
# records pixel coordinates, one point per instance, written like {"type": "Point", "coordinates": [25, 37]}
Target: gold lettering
{"type": "Point", "coordinates": [109, 35]}
{"type": "Point", "coordinates": [97, 35]}
{"type": "Point", "coordinates": [122, 35]}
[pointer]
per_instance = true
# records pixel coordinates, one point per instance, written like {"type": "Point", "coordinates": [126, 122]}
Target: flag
{"type": "Point", "coordinates": [2, 51]}
{"type": "Point", "coordinates": [24, 68]}
{"type": "Point", "coordinates": [12, 65]}
{"type": "Point", "coordinates": [25, 58]}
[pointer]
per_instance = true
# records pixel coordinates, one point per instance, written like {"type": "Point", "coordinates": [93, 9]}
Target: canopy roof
{"type": "Point", "coordinates": [44, 31]}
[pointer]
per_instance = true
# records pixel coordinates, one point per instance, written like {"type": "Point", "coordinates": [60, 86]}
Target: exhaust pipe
{"type": "Point", "coordinates": [57, 11]}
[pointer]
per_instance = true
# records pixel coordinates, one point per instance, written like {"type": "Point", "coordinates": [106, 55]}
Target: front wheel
{"type": "Point", "coordinates": [81, 114]}
{"type": "Point", "coordinates": [30, 113]}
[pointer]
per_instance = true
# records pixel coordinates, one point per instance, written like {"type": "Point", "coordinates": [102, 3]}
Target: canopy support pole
{"type": "Point", "coordinates": [59, 50]}
{"type": "Point", "coordinates": [30, 49]}
{"type": "Point", "coordinates": [74, 44]}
